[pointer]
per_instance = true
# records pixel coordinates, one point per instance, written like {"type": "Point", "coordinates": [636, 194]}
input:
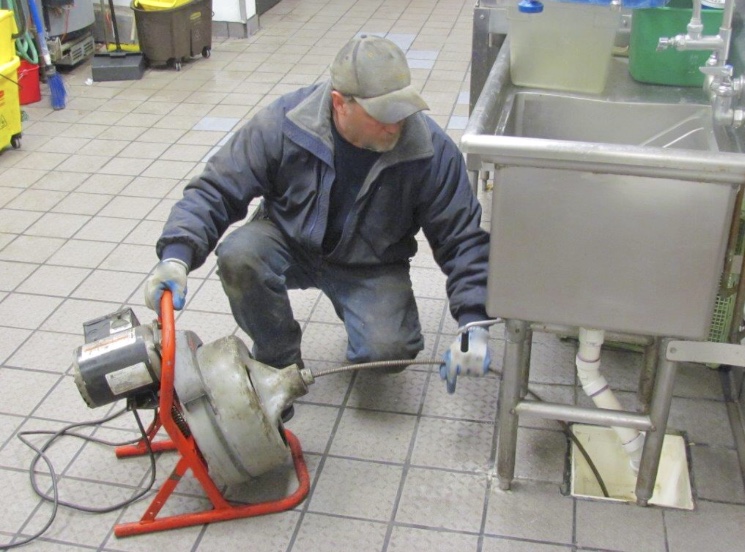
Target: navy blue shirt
{"type": "Point", "coordinates": [351, 165]}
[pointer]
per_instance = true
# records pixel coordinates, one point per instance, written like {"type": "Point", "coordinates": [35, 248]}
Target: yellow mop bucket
{"type": "Point", "coordinates": [10, 105]}
{"type": "Point", "coordinates": [7, 30]}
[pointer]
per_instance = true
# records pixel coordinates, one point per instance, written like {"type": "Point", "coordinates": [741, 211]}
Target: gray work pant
{"type": "Point", "coordinates": [257, 265]}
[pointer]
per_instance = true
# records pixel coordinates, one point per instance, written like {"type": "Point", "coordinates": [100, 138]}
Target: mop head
{"type": "Point", "coordinates": [56, 88]}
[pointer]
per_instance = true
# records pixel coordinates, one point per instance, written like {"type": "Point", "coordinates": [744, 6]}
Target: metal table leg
{"type": "Point", "coordinates": [516, 332]}
{"type": "Point", "coordinates": [646, 378]}
{"type": "Point", "coordinates": [525, 362]}
{"type": "Point", "coordinates": [659, 412]}
{"type": "Point", "coordinates": [473, 180]}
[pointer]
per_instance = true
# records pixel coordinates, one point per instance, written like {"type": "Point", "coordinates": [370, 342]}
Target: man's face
{"type": "Point", "coordinates": [360, 129]}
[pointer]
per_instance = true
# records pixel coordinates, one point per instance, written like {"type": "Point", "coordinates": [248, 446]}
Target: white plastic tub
{"type": "Point", "coordinates": [567, 46]}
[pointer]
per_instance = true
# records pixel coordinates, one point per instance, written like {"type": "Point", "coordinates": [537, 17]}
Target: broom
{"type": "Point", "coordinates": [54, 80]}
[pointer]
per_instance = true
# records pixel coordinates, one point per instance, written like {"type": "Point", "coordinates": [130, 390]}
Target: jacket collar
{"type": "Point", "coordinates": [313, 115]}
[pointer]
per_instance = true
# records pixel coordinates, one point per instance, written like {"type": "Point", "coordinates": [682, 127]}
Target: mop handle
{"type": "Point", "coordinates": [113, 24]}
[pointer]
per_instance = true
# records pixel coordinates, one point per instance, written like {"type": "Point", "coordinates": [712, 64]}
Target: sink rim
{"type": "Point", "coordinates": [604, 158]}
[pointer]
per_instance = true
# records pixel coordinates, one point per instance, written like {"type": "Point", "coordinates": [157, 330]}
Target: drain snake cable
{"type": "Point", "coordinates": [566, 428]}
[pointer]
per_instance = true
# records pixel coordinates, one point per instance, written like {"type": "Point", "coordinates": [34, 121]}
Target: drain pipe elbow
{"type": "Point", "coordinates": [588, 362]}
{"type": "Point", "coordinates": [596, 387]}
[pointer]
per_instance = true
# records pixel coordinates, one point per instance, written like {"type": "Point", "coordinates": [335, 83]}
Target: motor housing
{"type": "Point", "coordinates": [120, 359]}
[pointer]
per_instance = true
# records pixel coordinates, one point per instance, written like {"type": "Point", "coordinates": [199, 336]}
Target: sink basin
{"type": "Point", "coordinates": [609, 211]}
{"type": "Point", "coordinates": [561, 117]}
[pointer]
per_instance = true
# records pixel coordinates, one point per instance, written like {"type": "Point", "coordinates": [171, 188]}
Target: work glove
{"type": "Point", "coordinates": [168, 274]}
{"type": "Point", "coordinates": [468, 355]}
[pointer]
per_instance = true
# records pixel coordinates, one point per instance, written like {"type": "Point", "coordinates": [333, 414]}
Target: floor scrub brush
{"type": "Point", "coordinates": [57, 88]}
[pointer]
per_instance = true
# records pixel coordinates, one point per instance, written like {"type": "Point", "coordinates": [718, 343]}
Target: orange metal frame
{"type": "Point", "coordinates": [192, 459]}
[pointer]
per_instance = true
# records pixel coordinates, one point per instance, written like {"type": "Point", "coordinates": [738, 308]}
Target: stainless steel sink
{"type": "Point", "coordinates": [609, 211]}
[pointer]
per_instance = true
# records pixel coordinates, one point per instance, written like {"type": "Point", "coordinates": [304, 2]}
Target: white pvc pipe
{"type": "Point", "coordinates": [596, 387]}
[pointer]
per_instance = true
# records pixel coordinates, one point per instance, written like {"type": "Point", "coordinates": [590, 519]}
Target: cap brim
{"type": "Point", "coordinates": [394, 106]}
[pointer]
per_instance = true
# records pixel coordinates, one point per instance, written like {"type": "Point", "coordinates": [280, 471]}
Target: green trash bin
{"type": "Point", "coordinates": [174, 34]}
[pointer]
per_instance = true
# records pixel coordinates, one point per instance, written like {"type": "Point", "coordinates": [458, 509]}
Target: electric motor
{"type": "Point", "coordinates": [120, 359]}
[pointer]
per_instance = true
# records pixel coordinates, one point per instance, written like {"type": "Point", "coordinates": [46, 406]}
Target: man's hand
{"type": "Point", "coordinates": [468, 355]}
{"type": "Point", "coordinates": [168, 274]}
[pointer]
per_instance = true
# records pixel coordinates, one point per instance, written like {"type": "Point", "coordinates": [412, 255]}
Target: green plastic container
{"type": "Point", "coordinates": [669, 66]}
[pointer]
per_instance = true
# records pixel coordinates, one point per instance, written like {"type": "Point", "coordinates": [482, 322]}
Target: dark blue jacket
{"type": "Point", "coordinates": [285, 155]}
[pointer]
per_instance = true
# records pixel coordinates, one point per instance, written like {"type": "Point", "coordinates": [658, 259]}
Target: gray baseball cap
{"type": "Point", "coordinates": [373, 70]}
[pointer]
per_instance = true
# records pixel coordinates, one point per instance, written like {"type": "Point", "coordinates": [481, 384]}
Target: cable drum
{"type": "Point", "coordinates": [232, 404]}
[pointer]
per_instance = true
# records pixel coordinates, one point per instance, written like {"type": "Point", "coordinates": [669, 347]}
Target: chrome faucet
{"type": "Point", "coordinates": [695, 39]}
{"type": "Point", "coordinates": [724, 90]}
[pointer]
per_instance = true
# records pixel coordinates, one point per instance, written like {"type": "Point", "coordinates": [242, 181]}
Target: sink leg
{"type": "Point", "coordinates": [525, 362]}
{"type": "Point", "coordinates": [473, 180]}
{"type": "Point", "coordinates": [659, 413]}
{"type": "Point", "coordinates": [485, 181]}
{"type": "Point", "coordinates": [514, 365]}
{"type": "Point", "coordinates": [646, 378]}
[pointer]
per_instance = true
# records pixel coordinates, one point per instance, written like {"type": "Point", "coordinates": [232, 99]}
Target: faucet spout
{"type": "Point", "coordinates": [695, 39]}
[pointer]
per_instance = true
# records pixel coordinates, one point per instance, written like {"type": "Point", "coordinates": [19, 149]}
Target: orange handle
{"type": "Point", "coordinates": [168, 344]}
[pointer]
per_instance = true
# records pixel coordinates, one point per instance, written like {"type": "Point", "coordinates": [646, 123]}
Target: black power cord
{"type": "Point", "coordinates": [54, 497]}
{"type": "Point", "coordinates": [567, 429]}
